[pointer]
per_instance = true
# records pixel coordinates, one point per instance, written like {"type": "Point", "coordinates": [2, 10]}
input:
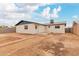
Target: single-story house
{"type": "Point", "coordinates": [35, 28]}
{"type": "Point", "coordinates": [75, 28]}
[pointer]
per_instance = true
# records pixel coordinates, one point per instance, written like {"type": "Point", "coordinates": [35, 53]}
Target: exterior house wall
{"type": "Point", "coordinates": [31, 29]}
{"type": "Point", "coordinates": [55, 30]}
{"type": "Point", "coordinates": [40, 29]}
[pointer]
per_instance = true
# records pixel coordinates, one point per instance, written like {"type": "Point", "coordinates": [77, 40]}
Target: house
{"type": "Point", "coordinates": [30, 27]}
{"type": "Point", "coordinates": [35, 28]}
{"type": "Point", "coordinates": [75, 28]}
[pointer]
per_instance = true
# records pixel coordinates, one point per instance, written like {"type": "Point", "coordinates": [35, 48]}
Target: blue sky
{"type": "Point", "coordinates": [67, 13]}
{"type": "Point", "coordinates": [11, 13]}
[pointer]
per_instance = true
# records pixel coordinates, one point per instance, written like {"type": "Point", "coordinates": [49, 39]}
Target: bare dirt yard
{"type": "Point", "coordinates": [14, 44]}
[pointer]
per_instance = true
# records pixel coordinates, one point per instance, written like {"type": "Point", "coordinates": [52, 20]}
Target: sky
{"type": "Point", "coordinates": [12, 13]}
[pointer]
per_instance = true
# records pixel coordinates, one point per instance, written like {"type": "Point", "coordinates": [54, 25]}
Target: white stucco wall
{"type": "Point", "coordinates": [57, 30]}
{"type": "Point", "coordinates": [40, 29]}
{"type": "Point", "coordinates": [31, 29]}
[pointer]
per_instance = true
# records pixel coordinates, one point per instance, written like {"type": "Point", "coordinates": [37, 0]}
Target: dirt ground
{"type": "Point", "coordinates": [14, 44]}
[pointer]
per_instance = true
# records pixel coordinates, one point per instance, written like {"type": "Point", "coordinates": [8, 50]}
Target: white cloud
{"type": "Point", "coordinates": [43, 4]}
{"type": "Point", "coordinates": [14, 15]}
{"type": "Point", "coordinates": [46, 12]}
{"type": "Point", "coordinates": [20, 10]}
{"type": "Point", "coordinates": [31, 8]}
{"type": "Point", "coordinates": [10, 7]}
{"type": "Point", "coordinates": [7, 10]}
{"type": "Point", "coordinates": [59, 8]}
{"type": "Point", "coordinates": [55, 12]}
{"type": "Point", "coordinates": [75, 16]}
{"type": "Point", "coordinates": [27, 7]}
{"type": "Point", "coordinates": [7, 7]}
{"type": "Point", "coordinates": [10, 11]}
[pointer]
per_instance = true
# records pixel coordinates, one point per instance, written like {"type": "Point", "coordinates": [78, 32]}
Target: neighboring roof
{"type": "Point", "coordinates": [27, 22]}
{"type": "Point", "coordinates": [51, 24]}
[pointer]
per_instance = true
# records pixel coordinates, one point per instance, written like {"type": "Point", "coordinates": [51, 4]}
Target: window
{"type": "Point", "coordinates": [57, 27]}
{"type": "Point", "coordinates": [25, 27]}
{"type": "Point", "coordinates": [35, 26]}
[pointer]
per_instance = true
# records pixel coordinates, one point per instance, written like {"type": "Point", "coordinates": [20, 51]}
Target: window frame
{"type": "Point", "coordinates": [25, 26]}
{"type": "Point", "coordinates": [36, 26]}
{"type": "Point", "coordinates": [57, 26]}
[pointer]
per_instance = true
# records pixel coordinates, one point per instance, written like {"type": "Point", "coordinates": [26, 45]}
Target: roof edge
{"type": "Point", "coordinates": [30, 22]}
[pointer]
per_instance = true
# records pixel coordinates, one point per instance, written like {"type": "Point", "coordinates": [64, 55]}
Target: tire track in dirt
{"type": "Point", "coordinates": [33, 42]}
{"type": "Point", "coordinates": [68, 39]}
{"type": "Point", "coordinates": [10, 48]}
{"type": "Point", "coordinates": [11, 42]}
{"type": "Point", "coordinates": [5, 47]}
{"type": "Point", "coordinates": [48, 39]}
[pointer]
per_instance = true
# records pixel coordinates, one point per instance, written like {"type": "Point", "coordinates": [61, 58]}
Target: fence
{"type": "Point", "coordinates": [7, 30]}
{"type": "Point", "coordinates": [68, 30]}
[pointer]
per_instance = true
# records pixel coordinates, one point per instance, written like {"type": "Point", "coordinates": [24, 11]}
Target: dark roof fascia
{"type": "Point", "coordinates": [28, 22]}
{"type": "Point", "coordinates": [56, 24]}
